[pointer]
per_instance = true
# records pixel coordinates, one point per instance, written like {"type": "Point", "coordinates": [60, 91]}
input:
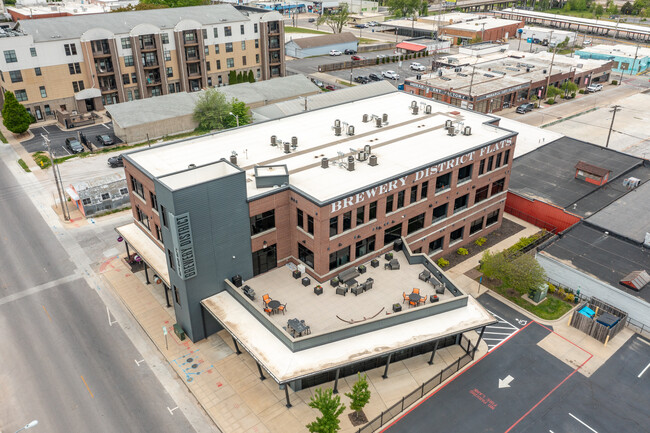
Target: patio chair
{"type": "Point", "coordinates": [423, 300]}
{"type": "Point", "coordinates": [424, 276]}
{"type": "Point", "coordinates": [406, 297]}
{"type": "Point", "coordinates": [283, 308]}
{"type": "Point", "coordinates": [268, 311]}
{"type": "Point", "coordinates": [341, 290]}
{"type": "Point", "coordinates": [412, 304]}
{"type": "Point", "coordinates": [266, 299]}
{"type": "Point", "coordinates": [416, 291]}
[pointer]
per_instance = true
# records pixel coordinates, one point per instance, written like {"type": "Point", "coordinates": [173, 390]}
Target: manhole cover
{"type": "Point", "coordinates": [190, 359]}
{"type": "Point", "coordinates": [195, 365]}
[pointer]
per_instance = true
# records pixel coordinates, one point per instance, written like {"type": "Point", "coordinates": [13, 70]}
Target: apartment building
{"type": "Point", "coordinates": [326, 189]}
{"type": "Point", "coordinates": [82, 63]}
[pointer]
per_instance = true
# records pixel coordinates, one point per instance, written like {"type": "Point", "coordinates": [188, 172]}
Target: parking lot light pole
{"type": "Point", "coordinates": [57, 180]}
{"type": "Point", "coordinates": [28, 426]}
{"type": "Point", "coordinates": [236, 118]}
{"type": "Point", "coordinates": [613, 111]}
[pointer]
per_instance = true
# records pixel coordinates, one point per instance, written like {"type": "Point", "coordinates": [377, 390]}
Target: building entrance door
{"type": "Point", "coordinates": [39, 115]}
{"type": "Point", "coordinates": [90, 105]}
{"type": "Point", "coordinates": [265, 259]}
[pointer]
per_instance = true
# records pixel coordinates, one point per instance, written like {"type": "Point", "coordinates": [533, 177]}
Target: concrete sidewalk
{"type": "Point", "coordinates": [228, 386]}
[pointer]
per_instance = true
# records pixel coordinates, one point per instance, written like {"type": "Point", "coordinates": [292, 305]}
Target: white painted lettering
{"type": "Point", "coordinates": [347, 202]}
{"type": "Point", "coordinates": [403, 180]}
{"type": "Point", "coordinates": [359, 198]}
{"type": "Point", "coordinates": [371, 192]}
{"type": "Point", "coordinates": [392, 185]}
{"type": "Point", "coordinates": [383, 189]}
{"type": "Point", "coordinates": [336, 206]}
{"type": "Point", "coordinates": [420, 174]}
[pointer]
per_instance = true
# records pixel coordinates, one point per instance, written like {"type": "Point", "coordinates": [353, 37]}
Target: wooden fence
{"type": "Point", "coordinates": [591, 326]}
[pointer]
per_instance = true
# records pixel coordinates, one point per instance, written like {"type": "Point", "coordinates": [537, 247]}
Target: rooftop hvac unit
{"type": "Point", "coordinates": [337, 130]}
{"type": "Point", "coordinates": [631, 182]}
{"type": "Point", "coordinates": [337, 122]}
{"type": "Point", "coordinates": [362, 156]}
{"type": "Point", "coordinates": [414, 103]}
{"type": "Point", "coordinates": [414, 109]}
{"type": "Point", "coordinates": [448, 123]}
{"type": "Point", "coordinates": [233, 158]}
{"type": "Point", "coordinates": [294, 142]}
{"type": "Point", "coordinates": [324, 163]}
{"type": "Point", "coordinates": [427, 109]}
{"type": "Point", "coordinates": [373, 160]}
{"type": "Point", "coordinates": [350, 163]}
{"type": "Point", "coordinates": [440, 72]}
{"type": "Point", "coordinates": [287, 149]}
{"type": "Point", "coordinates": [274, 140]}
{"type": "Point", "coordinates": [467, 130]}
{"type": "Point", "coordinates": [365, 118]}
{"type": "Point", "coordinates": [367, 149]}
{"type": "Point", "coordinates": [377, 122]}
{"type": "Point", "coordinates": [384, 118]}
{"type": "Point", "coordinates": [350, 130]}
{"type": "Point", "coordinates": [451, 131]}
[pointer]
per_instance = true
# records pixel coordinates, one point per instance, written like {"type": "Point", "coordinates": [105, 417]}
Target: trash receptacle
{"type": "Point", "coordinates": [179, 331]}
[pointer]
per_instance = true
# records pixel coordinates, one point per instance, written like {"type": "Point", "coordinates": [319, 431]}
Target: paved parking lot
{"type": "Point", "coordinates": [58, 136]}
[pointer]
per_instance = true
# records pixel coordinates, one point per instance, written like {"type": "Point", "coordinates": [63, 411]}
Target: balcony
{"type": "Point", "coordinates": [148, 46]}
{"type": "Point", "coordinates": [104, 71]}
{"type": "Point", "coordinates": [108, 89]}
{"type": "Point", "coordinates": [151, 64]}
{"type": "Point", "coordinates": [194, 58]}
{"type": "Point", "coordinates": [106, 52]}
{"type": "Point", "coordinates": [194, 73]}
{"type": "Point", "coordinates": [154, 81]}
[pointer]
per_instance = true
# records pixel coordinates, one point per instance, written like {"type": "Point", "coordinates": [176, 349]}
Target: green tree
{"type": "Point", "coordinates": [140, 7]}
{"type": "Point", "coordinates": [404, 8]}
{"type": "Point", "coordinates": [612, 9]}
{"type": "Point", "coordinates": [476, 39]}
{"type": "Point", "coordinates": [626, 9]}
{"type": "Point", "coordinates": [330, 408]}
{"type": "Point", "coordinates": [211, 110]}
{"type": "Point", "coordinates": [525, 274]}
{"type": "Point", "coordinates": [232, 77]}
{"type": "Point", "coordinates": [251, 77]}
{"type": "Point", "coordinates": [569, 87]}
{"type": "Point", "coordinates": [176, 3]}
{"type": "Point", "coordinates": [599, 10]}
{"type": "Point", "coordinates": [14, 116]}
{"type": "Point", "coordinates": [240, 77]}
{"type": "Point", "coordinates": [336, 21]}
{"type": "Point", "coordinates": [359, 395]}
{"type": "Point", "coordinates": [241, 110]}
{"type": "Point", "coordinates": [553, 92]}
{"type": "Point", "coordinates": [563, 44]}
{"type": "Point", "coordinates": [494, 265]}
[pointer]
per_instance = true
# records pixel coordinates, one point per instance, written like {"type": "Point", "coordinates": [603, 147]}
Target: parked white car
{"type": "Point", "coordinates": [390, 74]}
{"type": "Point", "coordinates": [418, 67]}
{"type": "Point", "coordinates": [594, 88]}
{"type": "Point", "coordinates": [335, 53]}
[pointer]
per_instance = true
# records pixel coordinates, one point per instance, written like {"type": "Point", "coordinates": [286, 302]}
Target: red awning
{"type": "Point", "coordinates": [411, 47]}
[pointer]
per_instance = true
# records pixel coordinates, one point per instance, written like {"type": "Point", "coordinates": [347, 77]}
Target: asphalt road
{"type": "Point", "coordinates": [62, 363]}
{"type": "Point", "coordinates": [58, 136]}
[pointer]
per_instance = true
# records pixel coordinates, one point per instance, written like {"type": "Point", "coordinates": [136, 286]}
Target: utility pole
{"type": "Point", "coordinates": [532, 41]}
{"type": "Point", "coordinates": [615, 109]}
{"type": "Point", "coordinates": [57, 179]}
{"type": "Point", "coordinates": [636, 53]}
{"type": "Point", "coordinates": [550, 71]}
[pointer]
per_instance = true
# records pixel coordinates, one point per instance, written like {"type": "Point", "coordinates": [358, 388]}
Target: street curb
{"type": "Point", "coordinates": [569, 117]}
{"type": "Point", "coordinates": [528, 313]}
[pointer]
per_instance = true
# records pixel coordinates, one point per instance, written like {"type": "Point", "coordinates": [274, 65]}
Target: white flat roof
{"type": "Point", "coordinates": [285, 365]}
{"type": "Point", "coordinates": [477, 25]}
{"type": "Point", "coordinates": [198, 175]}
{"type": "Point", "coordinates": [407, 142]}
{"type": "Point", "coordinates": [619, 50]}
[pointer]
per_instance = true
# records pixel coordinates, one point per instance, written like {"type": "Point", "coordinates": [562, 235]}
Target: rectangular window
{"type": "Point", "coordinates": [476, 226]}
{"type": "Point", "coordinates": [347, 221]}
{"type": "Point", "coordinates": [339, 258]}
{"type": "Point", "coordinates": [461, 203]}
{"type": "Point", "coordinates": [207, 68]}
{"type": "Point", "coordinates": [77, 68]}
{"type": "Point", "coordinates": [70, 49]}
{"type": "Point", "coordinates": [136, 92]}
{"type": "Point", "coordinates": [310, 224]}
{"type": "Point", "coordinates": [415, 224]}
{"type": "Point", "coordinates": [71, 68]}
{"type": "Point", "coordinates": [125, 79]}
{"type": "Point", "coordinates": [305, 255]}
{"type": "Point", "coordinates": [243, 45]}
{"type": "Point", "coordinates": [241, 29]}
{"type": "Point", "coordinates": [372, 211]}
{"type": "Point", "coordinates": [492, 218]}
{"type": "Point", "coordinates": [497, 164]}
{"type": "Point", "coordinates": [164, 38]}
{"type": "Point", "coordinates": [361, 213]}
{"type": "Point", "coordinates": [506, 157]}
{"type": "Point", "coordinates": [43, 92]}
{"type": "Point", "coordinates": [334, 226]}
{"type": "Point", "coordinates": [163, 213]}
{"type": "Point", "coordinates": [177, 297]}
{"type": "Point", "coordinates": [364, 247]}
{"type": "Point", "coordinates": [257, 43]}
{"type": "Point", "coordinates": [32, 51]}
{"type": "Point", "coordinates": [481, 167]}
{"type": "Point", "coordinates": [262, 222]}
{"type": "Point", "coordinates": [106, 196]}
{"type": "Point", "coordinates": [126, 43]}
{"type": "Point", "coordinates": [300, 218]}
{"type": "Point", "coordinates": [128, 60]}
{"type": "Point", "coordinates": [129, 95]}
{"type": "Point", "coordinates": [136, 186]}
{"type": "Point", "coordinates": [16, 76]}
{"type": "Point", "coordinates": [142, 217]}
{"type": "Point", "coordinates": [443, 182]}
{"type": "Point", "coordinates": [489, 164]}
{"type": "Point", "coordinates": [37, 71]}
{"type": "Point", "coordinates": [170, 258]}
{"type": "Point", "coordinates": [481, 194]}
{"type": "Point", "coordinates": [48, 111]}
{"type": "Point", "coordinates": [230, 63]}
{"type": "Point", "coordinates": [10, 56]}
{"type": "Point", "coordinates": [21, 95]}
{"type": "Point", "coordinates": [400, 199]}
{"type": "Point", "coordinates": [392, 234]}
{"type": "Point", "coordinates": [257, 58]}
{"type": "Point", "coordinates": [414, 194]}
{"type": "Point", "coordinates": [218, 64]}
{"type": "Point", "coordinates": [134, 79]}
{"type": "Point", "coordinates": [227, 31]}
{"type": "Point", "coordinates": [243, 60]}
{"type": "Point", "coordinates": [206, 50]}
{"type": "Point", "coordinates": [439, 213]}
{"type": "Point", "coordinates": [204, 32]}
{"type": "Point", "coordinates": [465, 173]}
{"type": "Point", "coordinates": [154, 201]}
{"type": "Point", "coordinates": [424, 191]}
{"type": "Point", "coordinates": [255, 28]}
{"type": "Point", "coordinates": [389, 203]}
{"type": "Point", "coordinates": [170, 72]}
{"type": "Point", "coordinates": [435, 246]}
{"type": "Point", "coordinates": [215, 32]}
{"type": "Point", "coordinates": [158, 232]}
{"type": "Point", "coordinates": [456, 235]}
{"type": "Point", "coordinates": [168, 55]}
{"type": "Point", "coordinates": [497, 186]}
{"type": "Point", "coordinates": [216, 48]}
{"type": "Point", "coordinates": [229, 47]}
{"type": "Point", "coordinates": [75, 86]}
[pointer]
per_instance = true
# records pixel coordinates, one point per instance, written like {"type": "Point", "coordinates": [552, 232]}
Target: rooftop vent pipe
{"type": "Point", "coordinates": [274, 140]}
{"type": "Point", "coordinates": [373, 160]}
{"type": "Point", "coordinates": [384, 118]}
{"type": "Point", "coordinates": [377, 122]}
{"type": "Point", "coordinates": [287, 149]}
{"type": "Point", "coordinates": [324, 163]}
{"type": "Point", "coordinates": [365, 118]}
{"type": "Point", "coordinates": [191, 166]}
{"type": "Point", "coordinates": [350, 163]}
{"type": "Point", "coordinates": [350, 130]}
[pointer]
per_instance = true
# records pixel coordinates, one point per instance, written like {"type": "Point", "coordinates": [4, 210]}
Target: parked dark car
{"type": "Point", "coordinates": [375, 77]}
{"type": "Point", "coordinates": [361, 80]}
{"type": "Point", "coordinates": [361, 26]}
{"type": "Point", "coordinates": [105, 139]}
{"type": "Point", "coordinates": [312, 20]}
{"type": "Point", "coordinates": [116, 161]}
{"type": "Point", "coordinates": [525, 108]}
{"type": "Point", "coordinates": [349, 51]}
{"type": "Point", "coordinates": [73, 145]}
{"type": "Point", "coordinates": [330, 87]}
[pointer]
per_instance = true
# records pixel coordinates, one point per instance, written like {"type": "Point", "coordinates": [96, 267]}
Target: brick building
{"type": "Point", "coordinates": [76, 63]}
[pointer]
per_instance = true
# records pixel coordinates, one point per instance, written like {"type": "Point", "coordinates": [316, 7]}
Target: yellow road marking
{"type": "Point", "coordinates": [48, 314]}
{"type": "Point", "coordinates": [87, 387]}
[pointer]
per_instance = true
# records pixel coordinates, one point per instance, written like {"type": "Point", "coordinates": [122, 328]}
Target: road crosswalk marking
{"type": "Point", "coordinates": [495, 335]}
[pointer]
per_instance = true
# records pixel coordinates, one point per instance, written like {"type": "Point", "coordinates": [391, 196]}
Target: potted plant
{"type": "Point", "coordinates": [362, 269]}
{"type": "Point", "coordinates": [397, 308]}
{"type": "Point", "coordinates": [335, 282]}
{"type": "Point", "coordinates": [388, 256]}
{"type": "Point", "coordinates": [318, 290]}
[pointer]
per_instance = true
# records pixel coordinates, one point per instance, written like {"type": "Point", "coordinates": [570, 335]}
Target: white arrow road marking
{"type": "Point", "coordinates": [505, 383]}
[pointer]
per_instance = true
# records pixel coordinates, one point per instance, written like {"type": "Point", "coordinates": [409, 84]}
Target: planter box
{"type": "Point", "coordinates": [434, 298]}
{"type": "Point", "coordinates": [306, 281]}
{"type": "Point", "coordinates": [374, 263]}
{"type": "Point", "coordinates": [296, 274]}
{"type": "Point", "coordinates": [318, 290]}
{"type": "Point", "coordinates": [362, 269]}
{"type": "Point", "coordinates": [334, 282]}
{"type": "Point", "coordinates": [388, 256]}
{"type": "Point", "coordinates": [397, 308]}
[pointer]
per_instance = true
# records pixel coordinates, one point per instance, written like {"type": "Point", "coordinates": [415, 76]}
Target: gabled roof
{"type": "Point", "coordinates": [592, 169]}
{"type": "Point", "coordinates": [636, 280]}
{"type": "Point", "coordinates": [410, 46]}
{"type": "Point", "coordinates": [324, 40]}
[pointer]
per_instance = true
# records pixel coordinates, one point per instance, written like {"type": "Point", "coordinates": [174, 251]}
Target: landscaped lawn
{"type": "Point", "coordinates": [303, 30]}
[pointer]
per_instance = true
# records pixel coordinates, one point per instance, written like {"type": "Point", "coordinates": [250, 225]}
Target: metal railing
{"type": "Point", "coordinates": [418, 393]}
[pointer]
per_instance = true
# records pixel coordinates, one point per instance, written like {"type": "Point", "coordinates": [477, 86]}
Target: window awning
{"type": "Point", "coordinates": [410, 47]}
{"type": "Point", "coordinates": [72, 193]}
{"type": "Point", "coordinates": [147, 249]}
{"type": "Point", "coordinates": [88, 94]}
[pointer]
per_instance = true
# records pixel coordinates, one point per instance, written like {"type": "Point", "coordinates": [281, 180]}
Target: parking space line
{"type": "Point", "coordinates": [643, 341]}
{"type": "Point", "coordinates": [498, 333]}
{"type": "Point", "coordinates": [104, 125]}
{"type": "Point", "coordinates": [581, 422]}
{"type": "Point", "coordinates": [501, 327]}
{"type": "Point", "coordinates": [646, 367]}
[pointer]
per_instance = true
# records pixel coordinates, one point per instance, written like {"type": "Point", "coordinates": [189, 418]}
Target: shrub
{"type": "Point", "coordinates": [550, 101]}
{"type": "Point", "coordinates": [561, 292]}
{"type": "Point", "coordinates": [570, 297]}
{"type": "Point", "coordinates": [462, 252]}
{"type": "Point", "coordinates": [551, 288]}
{"type": "Point", "coordinates": [581, 91]}
{"type": "Point", "coordinates": [377, 61]}
{"type": "Point", "coordinates": [614, 82]}
{"type": "Point", "coordinates": [442, 262]}
{"type": "Point", "coordinates": [573, 95]}
{"type": "Point", "coordinates": [480, 241]}
{"type": "Point", "coordinates": [536, 105]}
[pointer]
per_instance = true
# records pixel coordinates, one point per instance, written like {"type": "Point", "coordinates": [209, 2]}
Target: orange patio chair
{"type": "Point", "coordinates": [268, 311]}
{"type": "Point", "coordinates": [413, 304]}
{"type": "Point", "coordinates": [423, 299]}
{"type": "Point", "coordinates": [266, 299]}
{"type": "Point", "coordinates": [416, 291]}
{"type": "Point", "coordinates": [283, 308]}
{"type": "Point", "coordinates": [406, 297]}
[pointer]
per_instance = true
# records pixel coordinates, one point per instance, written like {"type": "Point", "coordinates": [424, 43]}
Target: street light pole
{"type": "Point", "coordinates": [550, 71]}
{"type": "Point", "coordinates": [532, 41]}
{"type": "Point", "coordinates": [614, 111]}
{"type": "Point", "coordinates": [236, 118]}
{"type": "Point", "coordinates": [28, 426]}
{"type": "Point", "coordinates": [57, 181]}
